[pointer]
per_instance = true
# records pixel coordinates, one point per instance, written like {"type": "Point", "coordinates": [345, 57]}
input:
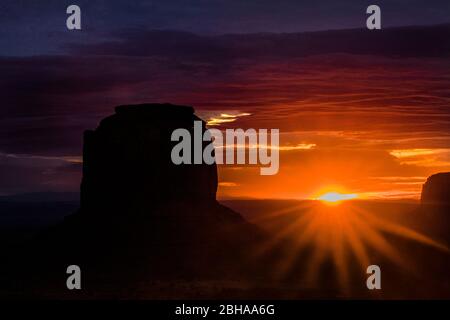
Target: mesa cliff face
{"type": "Point", "coordinates": [437, 189]}
{"type": "Point", "coordinates": [131, 184]}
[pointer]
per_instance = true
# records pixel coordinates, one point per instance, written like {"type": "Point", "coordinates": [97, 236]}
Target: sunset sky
{"type": "Point", "coordinates": [359, 111]}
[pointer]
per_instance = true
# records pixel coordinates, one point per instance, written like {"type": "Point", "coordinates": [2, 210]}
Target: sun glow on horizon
{"type": "Point", "coordinates": [336, 197]}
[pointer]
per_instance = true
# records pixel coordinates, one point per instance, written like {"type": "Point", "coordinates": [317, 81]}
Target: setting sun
{"type": "Point", "coordinates": [334, 197]}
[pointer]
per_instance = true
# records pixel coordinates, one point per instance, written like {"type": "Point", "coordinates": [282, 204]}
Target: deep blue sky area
{"type": "Point", "coordinates": [38, 27]}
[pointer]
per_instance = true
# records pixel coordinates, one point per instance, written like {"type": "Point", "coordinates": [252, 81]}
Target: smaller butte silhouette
{"type": "Point", "coordinates": [436, 189]}
{"type": "Point", "coordinates": [142, 218]}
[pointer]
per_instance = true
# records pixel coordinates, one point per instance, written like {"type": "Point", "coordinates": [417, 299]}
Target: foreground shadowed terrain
{"type": "Point", "coordinates": [152, 230]}
{"type": "Point", "coordinates": [412, 266]}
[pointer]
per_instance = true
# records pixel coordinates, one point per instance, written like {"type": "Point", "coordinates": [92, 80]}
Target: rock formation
{"type": "Point", "coordinates": [142, 218]}
{"type": "Point", "coordinates": [131, 184]}
{"type": "Point", "coordinates": [126, 161]}
{"type": "Point", "coordinates": [437, 189]}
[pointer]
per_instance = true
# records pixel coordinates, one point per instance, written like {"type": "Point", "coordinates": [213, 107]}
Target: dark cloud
{"type": "Point", "coordinates": [48, 101]}
{"type": "Point", "coordinates": [32, 28]}
{"type": "Point", "coordinates": [26, 173]}
{"type": "Point", "coordinates": [169, 44]}
{"type": "Point", "coordinates": [396, 42]}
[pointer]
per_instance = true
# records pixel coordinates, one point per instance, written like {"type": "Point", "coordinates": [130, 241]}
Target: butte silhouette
{"type": "Point", "coordinates": [436, 189]}
{"type": "Point", "coordinates": [141, 217]}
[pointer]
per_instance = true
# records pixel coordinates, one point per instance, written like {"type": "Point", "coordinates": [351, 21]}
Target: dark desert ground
{"type": "Point", "coordinates": [411, 268]}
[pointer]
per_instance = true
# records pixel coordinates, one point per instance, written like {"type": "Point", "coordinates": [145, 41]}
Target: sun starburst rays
{"type": "Point", "coordinates": [340, 235]}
